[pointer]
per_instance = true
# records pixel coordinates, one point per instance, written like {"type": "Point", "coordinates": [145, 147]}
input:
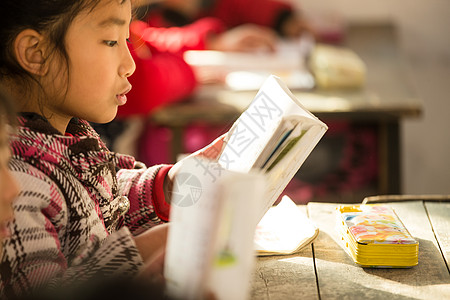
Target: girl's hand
{"type": "Point", "coordinates": [152, 241]}
{"type": "Point", "coordinates": [211, 151]}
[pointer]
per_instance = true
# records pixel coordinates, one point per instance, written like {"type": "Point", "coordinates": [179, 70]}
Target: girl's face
{"type": "Point", "coordinates": [8, 187]}
{"type": "Point", "coordinates": [99, 65]}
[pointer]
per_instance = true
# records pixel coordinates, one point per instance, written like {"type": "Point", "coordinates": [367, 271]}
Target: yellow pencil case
{"type": "Point", "coordinates": [375, 237]}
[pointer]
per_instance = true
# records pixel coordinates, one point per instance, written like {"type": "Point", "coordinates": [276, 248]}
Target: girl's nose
{"type": "Point", "coordinates": [128, 66]}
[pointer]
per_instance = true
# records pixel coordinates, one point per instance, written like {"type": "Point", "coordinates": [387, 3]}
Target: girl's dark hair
{"type": "Point", "coordinates": [48, 17]}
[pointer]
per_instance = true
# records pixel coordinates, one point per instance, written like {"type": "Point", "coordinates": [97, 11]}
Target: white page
{"type": "Point", "coordinates": [213, 219]}
{"type": "Point", "coordinates": [260, 127]}
{"type": "Point", "coordinates": [284, 229]}
{"type": "Point", "coordinates": [231, 273]}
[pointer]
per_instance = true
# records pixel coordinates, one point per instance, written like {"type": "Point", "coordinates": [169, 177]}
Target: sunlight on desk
{"type": "Point", "coordinates": [296, 260]}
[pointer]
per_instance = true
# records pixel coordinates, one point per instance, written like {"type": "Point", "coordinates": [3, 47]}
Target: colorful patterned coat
{"type": "Point", "coordinates": [73, 220]}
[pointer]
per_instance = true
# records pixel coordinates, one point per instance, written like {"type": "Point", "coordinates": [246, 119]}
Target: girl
{"type": "Point", "coordinates": [83, 212]}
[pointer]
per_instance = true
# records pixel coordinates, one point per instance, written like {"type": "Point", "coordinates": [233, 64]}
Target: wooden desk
{"type": "Point", "coordinates": [384, 101]}
{"type": "Point", "coordinates": [324, 270]}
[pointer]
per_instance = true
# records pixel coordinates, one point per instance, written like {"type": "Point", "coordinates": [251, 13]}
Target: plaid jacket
{"type": "Point", "coordinates": [73, 220]}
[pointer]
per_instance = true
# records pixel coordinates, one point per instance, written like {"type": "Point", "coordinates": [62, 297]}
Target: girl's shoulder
{"type": "Point", "coordinates": [23, 169]}
{"type": "Point", "coordinates": [34, 181]}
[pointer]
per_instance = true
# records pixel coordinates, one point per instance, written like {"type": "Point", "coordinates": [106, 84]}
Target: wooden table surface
{"type": "Point", "coordinates": [324, 270]}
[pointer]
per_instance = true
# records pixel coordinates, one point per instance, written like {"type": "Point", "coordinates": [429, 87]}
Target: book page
{"type": "Point", "coordinates": [250, 134]}
{"type": "Point", "coordinates": [284, 229]}
{"type": "Point", "coordinates": [278, 140]}
{"type": "Point", "coordinates": [210, 241]}
{"type": "Point", "coordinates": [233, 258]}
{"type": "Point", "coordinates": [262, 124]}
{"type": "Point", "coordinates": [286, 144]}
{"type": "Point", "coordinates": [289, 163]}
{"type": "Point", "coordinates": [194, 218]}
{"type": "Point", "coordinates": [262, 137]}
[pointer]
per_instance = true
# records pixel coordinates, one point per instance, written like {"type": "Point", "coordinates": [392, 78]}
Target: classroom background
{"type": "Point", "coordinates": [425, 43]}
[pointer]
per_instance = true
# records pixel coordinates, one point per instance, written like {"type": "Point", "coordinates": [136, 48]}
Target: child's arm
{"type": "Point", "coordinates": [144, 189]}
{"type": "Point", "coordinates": [148, 189]}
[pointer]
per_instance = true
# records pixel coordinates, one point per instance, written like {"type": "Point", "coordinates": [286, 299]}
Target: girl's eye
{"type": "Point", "coordinates": [110, 43]}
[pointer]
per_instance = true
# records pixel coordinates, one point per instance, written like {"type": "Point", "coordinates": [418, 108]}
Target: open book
{"type": "Point", "coordinates": [284, 229]}
{"type": "Point", "coordinates": [275, 134]}
{"type": "Point", "coordinates": [217, 205]}
{"type": "Point", "coordinates": [210, 243]}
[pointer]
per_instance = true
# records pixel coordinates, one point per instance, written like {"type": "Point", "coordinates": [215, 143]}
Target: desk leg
{"type": "Point", "coordinates": [389, 164]}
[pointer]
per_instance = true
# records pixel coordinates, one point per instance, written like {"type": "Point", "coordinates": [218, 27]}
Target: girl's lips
{"type": "Point", "coordinates": [122, 98]}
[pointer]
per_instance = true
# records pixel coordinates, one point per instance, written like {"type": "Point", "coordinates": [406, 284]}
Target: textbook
{"type": "Point", "coordinates": [217, 205]}
{"type": "Point", "coordinates": [210, 242]}
{"type": "Point", "coordinates": [284, 230]}
{"type": "Point", "coordinates": [274, 135]}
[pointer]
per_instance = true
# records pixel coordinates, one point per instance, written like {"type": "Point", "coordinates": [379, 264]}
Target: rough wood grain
{"type": "Point", "coordinates": [285, 277]}
{"type": "Point", "coordinates": [439, 214]}
{"type": "Point", "coordinates": [339, 278]}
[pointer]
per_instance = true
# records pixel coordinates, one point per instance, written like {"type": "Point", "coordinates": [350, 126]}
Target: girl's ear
{"type": "Point", "coordinates": [30, 49]}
